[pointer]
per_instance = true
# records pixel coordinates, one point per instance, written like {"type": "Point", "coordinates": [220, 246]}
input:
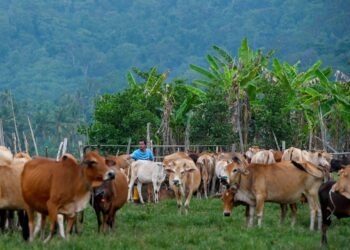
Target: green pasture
{"type": "Point", "coordinates": [160, 226]}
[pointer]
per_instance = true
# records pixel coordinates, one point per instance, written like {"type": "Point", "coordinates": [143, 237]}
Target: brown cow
{"type": "Point", "coordinates": [109, 198]}
{"type": "Point", "coordinates": [175, 156]}
{"type": "Point", "coordinates": [61, 188]}
{"type": "Point", "coordinates": [282, 183]}
{"type": "Point", "coordinates": [184, 179]}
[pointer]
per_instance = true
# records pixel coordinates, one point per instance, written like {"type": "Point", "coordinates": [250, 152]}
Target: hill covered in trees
{"type": "Point", "coordinates": [57, 56]}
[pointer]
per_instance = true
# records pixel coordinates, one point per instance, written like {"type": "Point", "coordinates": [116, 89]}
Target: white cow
{"type": "Point", "coordinates": [146, 172]}
{"type": "Point", "coordinates": [263, 157]}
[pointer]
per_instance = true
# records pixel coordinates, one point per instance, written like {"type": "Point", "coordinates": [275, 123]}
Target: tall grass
{"type": "Point", "coordinates": [160, 226]}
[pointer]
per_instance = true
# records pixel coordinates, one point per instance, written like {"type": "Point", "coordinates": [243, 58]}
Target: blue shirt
{"type": "Point", "coordinates": [139, 155]}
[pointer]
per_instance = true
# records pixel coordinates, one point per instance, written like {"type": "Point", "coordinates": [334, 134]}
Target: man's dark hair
{"type": "Point", "coordinates": [144, 141]}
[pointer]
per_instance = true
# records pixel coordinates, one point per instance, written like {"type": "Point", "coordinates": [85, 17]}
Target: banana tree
{"type": "Point", "coordinates": [238, 79]}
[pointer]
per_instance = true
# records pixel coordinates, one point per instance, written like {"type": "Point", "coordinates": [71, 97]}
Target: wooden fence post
{"type": "Point", "coordinates": [283, 145]}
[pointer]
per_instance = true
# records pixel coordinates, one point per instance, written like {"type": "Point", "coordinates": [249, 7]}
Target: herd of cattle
{"type": "Point", "coordinates": [62, 189]}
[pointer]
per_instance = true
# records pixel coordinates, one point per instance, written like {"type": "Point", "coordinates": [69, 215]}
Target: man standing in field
{"type": "Point", "coordinates": [143, 153]}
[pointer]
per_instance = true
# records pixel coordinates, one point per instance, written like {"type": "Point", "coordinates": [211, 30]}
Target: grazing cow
{"type": "Point", "coordinates": [57, 188]}
{"type": "Point", "coordinates": [146, 172]}
{"type": "Point", "coordinates": [229, 203]}
{"type": "Point", "coordinates": [110, 197]}
{"type": "Point", "coordinates": [10, 187]}
{"type": "Point", "coordinates": [282, 183]}
{"type": "Point", "coordinates": [263, 157]}
{"type": "Point", "coordinates": [337, 164]}
{"type": "Point", "coordinates": [335, 200]}
{"type": "Point", "coordinates": [184, 179]}
{"type": "Point", "coordinates": [206, 165]}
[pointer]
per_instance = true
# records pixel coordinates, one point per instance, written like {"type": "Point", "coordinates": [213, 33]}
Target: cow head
{"type": "Point", "coordinates": [228, 198]}
{"type": "Point", "coordinates": [95, 169]}
{"type": "Point", "coordinates": [233, 171]}
{"type": "Point", "coordinates": [343, 183]}
{"type": "Point", "coordinates": [178, 171]}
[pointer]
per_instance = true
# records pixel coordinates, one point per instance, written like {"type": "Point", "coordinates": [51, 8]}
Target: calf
{"type": "Point", "coordinates": [335, 200]}
{"type": "Point", "coordinates": [282, 183]}
{"type": "Point", "coordinates": [184, 179]}
{"type": "Point", "coordinates": [109, 198]}
{"type": "Point", "coordinates": [146, 172]}
{"type": "Point", "coordinates": [61, 187]}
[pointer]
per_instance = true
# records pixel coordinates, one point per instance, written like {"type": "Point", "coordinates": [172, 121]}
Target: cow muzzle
{"type": "Point", "coordinates": [227, 214]}
{"type": "Point", "coordinates": [224, 180]}
{"type": "Point", "coordinates": [176, 182]}
{"type": "Point", "coordinates": [109, 175]}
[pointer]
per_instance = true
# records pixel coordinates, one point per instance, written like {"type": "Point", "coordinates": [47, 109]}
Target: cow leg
{"type": "Point", "coordinates": [139, 189]}
{"type": "Point", "coordinates": [294, 209]}
{"type": "Point", "coordinates": [246, 215]}
{"type": "Point", "coordinates": [326, 222]}
{"type": "Point", "coordinates": [284, 210]}
{"type": "Point", "coordinates": [98, 217]}
{"type": "Point", "coordinates": [205, 187]}
{"type": "Point", "coordinates": [131, 188]}
{"type": "Point", "coordinates": [312, 208]}
{"type": "Point", "coordinates": [260, 208]}
{"type": "Point", "coordinates": [155, 191]}
{"type": "Point", "coordinates": [41, 220]}
{"type": "Point", "coordinates": [60, 221]}
{"type": "Point", "coordinates": [178, 197]}
{"type": "Point", "coordinates": [2, 219]}
{"type": "Point", "coordinates": [70, 222]}
{"type": "Point", "coordinates": [213, 184]}
{"type": "Point", "coordinates": [11, 219]}
{"type": "Point", "coordinates": [251, 216]}
{"type": "Point", "coordinates": [30, 213]}
{"type": "Point", "coordinates": [53, 218]}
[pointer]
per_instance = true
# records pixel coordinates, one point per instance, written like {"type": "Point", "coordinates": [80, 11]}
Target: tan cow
{"type": "Point", "coordinates": [282, 183]}
{"type": "Point", "coordinates": [319, 158]}
{"type": "Point", "coordinates": [251, 152]}
{"type": "Point", "coordinates": [184, 179]}
{"type": "Point", "coordinates": [263, 157]}
{"type": "Point", "coordinates": [10, 184]}
{"type": "Point", "coordinates": [61, 187]}
{"type": "Point", "coordinates": [206, 165]}
{"type": "Point", "coordinates": [175, 156]}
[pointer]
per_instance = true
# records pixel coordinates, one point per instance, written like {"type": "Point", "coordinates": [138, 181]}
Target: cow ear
{"type": "Point", "coordinates": [190, 170]}
{"type": "Point", "coordinates": [236, 159]}
{"type": "Point", "coordinates": [169, 170]}
{"type": "Point", "coordinates": [110, 162]}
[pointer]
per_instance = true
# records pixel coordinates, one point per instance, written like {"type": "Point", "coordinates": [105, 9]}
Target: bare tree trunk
{"type": "Point", "coordinates": [323, 130]}
{"type": "Point", "coordinates": [14, 143]}
{"type": "Point", "coordinates": [239, 110]}
{"type": "Point", "coordinates": [15, 124]}
{"type": "Point", "coordinates": [2, 137]}
{"type": "Point", "coordinates": [33, 138]}
{"type": "Point", "coordinates": [26, 146]}
{"type": "Point", "coordinates": [310, 138]}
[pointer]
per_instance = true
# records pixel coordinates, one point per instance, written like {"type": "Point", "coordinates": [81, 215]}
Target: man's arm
{"type": "Point", "coordinates": [151, 156]}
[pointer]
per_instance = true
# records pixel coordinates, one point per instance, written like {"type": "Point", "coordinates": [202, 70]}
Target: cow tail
{"type": "Point", "coordinates": [24, 222]}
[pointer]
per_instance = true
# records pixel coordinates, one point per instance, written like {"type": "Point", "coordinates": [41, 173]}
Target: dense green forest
{"type": "Point", "coordinates": [57, 57]}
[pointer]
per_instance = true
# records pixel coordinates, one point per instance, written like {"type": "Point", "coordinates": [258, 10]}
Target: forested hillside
{"type": "Point", "coordinates": [57, 56]}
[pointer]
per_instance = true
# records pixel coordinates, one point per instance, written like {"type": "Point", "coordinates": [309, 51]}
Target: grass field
{"type": "Point", "coordinates": [160, 226]}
